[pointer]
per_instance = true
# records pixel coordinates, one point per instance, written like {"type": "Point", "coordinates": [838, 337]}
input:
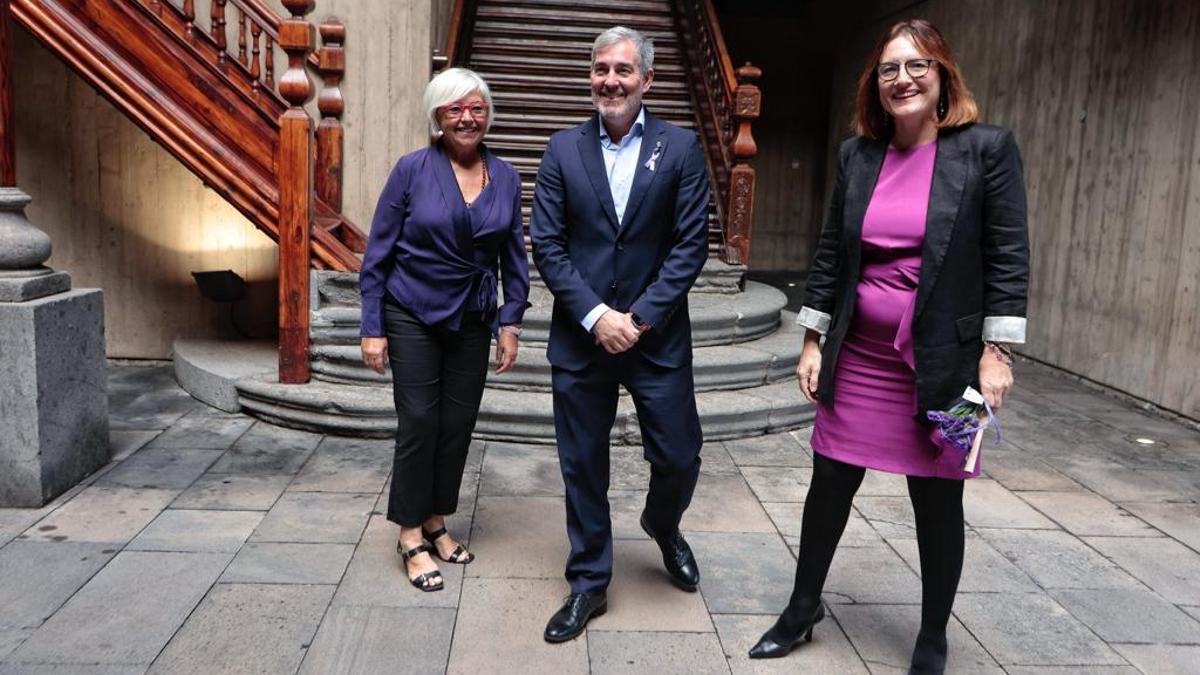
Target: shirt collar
{"type": "Point", "coordinates": [634, 131]}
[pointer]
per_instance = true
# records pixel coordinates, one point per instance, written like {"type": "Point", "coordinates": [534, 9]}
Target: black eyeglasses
{"type": "Point", "coordinates": [917, 68]}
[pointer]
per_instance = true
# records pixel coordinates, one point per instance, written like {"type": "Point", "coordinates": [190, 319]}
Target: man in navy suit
{"type": "Point", "coordinates": [619, 232]}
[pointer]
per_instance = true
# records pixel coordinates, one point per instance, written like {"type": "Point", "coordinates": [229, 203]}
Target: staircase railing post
{"type": "Point", "coordinates": [295, 179]}
{"type": "Point", "coordinates": [8, 148]}
{"type": "Point", "coordinates": [332, 59]}
{"type": "Point", "coordinates": [747, 104]}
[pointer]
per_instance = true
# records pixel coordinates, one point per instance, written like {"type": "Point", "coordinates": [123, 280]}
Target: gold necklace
{"type": "Point", "coordinates": [484, 182]}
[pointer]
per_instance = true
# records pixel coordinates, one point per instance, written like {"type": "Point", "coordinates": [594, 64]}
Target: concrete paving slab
{"type": "Point", "coordinates": [355, 640]}
{"type": "Point", "coordinates": [346, 465]}
{"type": "Point", "coordinates": [769, 450]}
{"type": "Point", "coordinates": [1179, 520]}
{"type": "Point", "coordinates": [985, 570]}
{"type": "Point", "coordinates": [1055, 559]}
{"type": "Point", "coordinates": [1072, 670]}
{"type": "Point", "coordinates": [165, 468]}
{"type": "Point", "coordinates": [154, 409]}
{"type": "Point", "coordinates": [1130, 616]}
{"type": "Point", "coordinates": [376, 576]}
{"type": "Point", "coordinates": [512, 470]}
{"type": "Point", "coordinates": [102, 514]}
{"type": "Point", "coordinates": [625, 509]}
{"type": "Point", "coordinates": [987, 503]}
{"type": "Point", "coordinates": [1031, 629]}
{"type": "Point", "coordinates": [519, 537]}
{"type": "Point", "coordinates": [1162, 659]}
{"type": "Point", "coordinates": [884, 635]}
{"type": "Point", "coordinates": [68, 669]}
{"type": "Point", "coordinates": [715, 460]}
{"type": "Point", "coordinates": [190, 530]}
{"type": "Point", "coordinates": [1117, 483]}
{"type": "Point", "coordinates": [124, 442]}
{"type": "Point", "coordinates": [203, 432]}
{"type": "Point", "coordinates": [1020, 470]}
{"type": "Point", "coordinates": [777, 484]}
{"type": "Point", "coordinates": [628, 469]}
{"type": "Point", "coordinates": [871, 575]}
{"type": "Point", "coordinates": [222, 491]}
{"type": "Point", "coordinates": [723, 503]}
{"type": "Point", "coordinates": [15, 521]}
{"type": "Point", "coordinates": [127, 612]}
{"type": "Point", "coordinates": [788, 517]}
{"type": "Point", "coordinates": [829, 651]}
{"type": "Point", "coordinates": [268, 449]}
{"type": "Point", "coordinates": [1170, 568]}
{"type": "Point", "coordinates": [316, 517]}
{"type": "Point", "coordinates": [289, 564]}
{"type": "Point", "coordinates": [246, 628]}
{"type": "Point", "coordinates": [1085, 513]}
{"type": "Point", "coordinates": [642, 598]}
{"type": "Point", "coordinates": [522, 607]}
{"type": "Point", "coordinates": [743, 573]}
{"type": "Point", "coordinates": [891, 517]}
{"type": "Point", "coordinates": [618, 653]}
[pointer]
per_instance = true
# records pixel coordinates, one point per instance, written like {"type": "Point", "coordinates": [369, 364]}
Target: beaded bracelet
{"type": "Point", "coordinates": [1002, 352]}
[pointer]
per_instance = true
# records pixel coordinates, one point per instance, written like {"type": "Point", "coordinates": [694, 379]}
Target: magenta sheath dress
{"type": "Point", "coordinates": [871, 423]}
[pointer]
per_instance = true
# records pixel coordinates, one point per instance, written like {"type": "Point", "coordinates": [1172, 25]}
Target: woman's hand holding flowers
{"type": "Point", "coordinates": [995, 378]}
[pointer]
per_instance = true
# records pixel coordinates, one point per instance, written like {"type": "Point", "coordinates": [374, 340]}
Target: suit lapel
{"type": "Point", "coordinates": [945, 195]}
{"type": "Point", "coordinates": [593, 163]}
{"type": "Point", "coordinates": [652, 142]}
{"type": "Point", "coordinates": [859, 188]}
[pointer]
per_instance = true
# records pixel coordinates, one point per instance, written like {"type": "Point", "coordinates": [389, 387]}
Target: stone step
{"type": "Point", "coordinates": [717, 319]}
{"type": "Point", "coordinates": [719, 367]}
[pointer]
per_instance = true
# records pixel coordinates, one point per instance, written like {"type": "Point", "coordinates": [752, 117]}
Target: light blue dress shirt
{"type": "Point", "coordinates": [620, 163]}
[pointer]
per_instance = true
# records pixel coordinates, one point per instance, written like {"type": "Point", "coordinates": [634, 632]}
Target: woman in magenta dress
{"type": "Point", "coordinates": [918, 287]}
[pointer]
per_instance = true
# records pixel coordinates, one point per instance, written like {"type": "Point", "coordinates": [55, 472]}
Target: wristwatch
{"type": "Point", "coordinates": [637, 321]}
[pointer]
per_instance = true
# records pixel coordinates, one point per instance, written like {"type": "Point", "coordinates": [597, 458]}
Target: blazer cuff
{"type": "Point", "coordinates": [811, 318]}
{"type": "Point", "coordinates": [1010, 329]}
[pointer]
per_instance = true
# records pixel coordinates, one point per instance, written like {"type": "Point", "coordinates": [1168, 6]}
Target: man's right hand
{"type": "Point", "coordinates": [615, 331]}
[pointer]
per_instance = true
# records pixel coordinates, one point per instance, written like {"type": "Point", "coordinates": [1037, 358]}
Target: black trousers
{"type": "Point", "coordinates": [937, 505]}
{"type": "Point", "coordinates": [437, 383]}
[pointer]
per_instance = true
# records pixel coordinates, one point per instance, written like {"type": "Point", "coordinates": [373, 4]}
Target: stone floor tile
{"type": "Point", "coordinates": [519, 537]}
{"type": "Point", "coordinates": [871, 575]}
{"type": "Point", "coordinates": [102, 514]}
{"type": "Point", "coordinates": [289, 564]}
{"type": "Point", "coordinates": [376, 576]}
{"type": "Point", "coordinates": [642, 598]}
{"type": "Point", "coordinates": [883, 635]}
{"type": "Point", "coordinates": [69, 669]}
{"type": "Point", "coordinates": [1083, 513]}
{"type": "Point", "coordinates": [625, 510]}
{"type": "Point", "coordinates": [628, 469]}
{"type": "Point", "coordinates": [777, 484]}
{"type": "Point", "coordinates": [355, 640]}
{"type": "Point", "coordinates": [882, 484]}
{"type": "Point", "coordinates": [36, 578]}
{"type": "Point", "coordinates": [891, 517]}
{"type": "Point", "coordinates": [268, 449]}
{"type": "Point", "coordinates": [1055, 559]}
{"type": "Point", "coordinates": [1072, 670]}
{"type": "Point", "coordinates": [521, 607]}
{"type": "Point", "coordinates": [743, 573]}
{"type": "Point", "coordinates": [1031, 629]}
{"type": "Point", "coordinates": [715, 460]}
{"type": "Point", "coordinates": [1132, 615]}
{"type": "Point", "coordinates": [987, 503]}
{"type": "Point", "coordinates": [985, 570]}
{"type": "Point", "coordinates": [1179, 520]}
{"type": "Point", "coordinates": [197, 433]}
{"type": "Point", "coordinates": [1117, 483]}
{"type": "Point", "coordinates": [165, 468]}
{"type": "Point", "coordinates": [246, 628]}
{"type": "Point", "coordinates": [346, 465]}
{"type": "Point", "coordinates": [15, 521]}
{"type": "Point", "coordinates": [724, 503]}
{"type": "Point", "coordinates": [222, 491]}
{"type": "Point", "coordinates": [127, 612]}
{"type": "Point", "coordinates": [1193, 611]}
{"type": "Point", "coordinates": [770, 450]}
{"type": "Point", "coordinates": [618, 653]}
{"type": "Point", "coordinates": [124, 442]}
{"type": "Point", "coordinates": [1170, 568]}
{"type": "Point", "coordinates": [829, 651]}
{"type": "Point", "coordinates": [188, 530]}
{"type": "Point", "coordinates": [511, 470]}
{"type": "Point", "coordinates": [156, 409]}
{"type": "Point", "coordinates": [1162, 659]}
{"type": "Point", "coordinates": [316, 517]}
{"type": "Point", "coordinates": [1020, 470]}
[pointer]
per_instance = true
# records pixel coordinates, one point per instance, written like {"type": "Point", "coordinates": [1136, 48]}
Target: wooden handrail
{"type": "Point", "coordinates": [462, 22]}
{"type": "Point", "coordinates": [728, 76]}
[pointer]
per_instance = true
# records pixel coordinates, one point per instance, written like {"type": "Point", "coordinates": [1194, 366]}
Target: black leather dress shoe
{"type": "Point", "coordinates": [677, 557]}
{"type": "Point", "coordinates": [570, 619]}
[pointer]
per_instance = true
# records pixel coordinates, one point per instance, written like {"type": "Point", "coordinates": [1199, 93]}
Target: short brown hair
{"type": "Point", "coordinates": [871, 121]}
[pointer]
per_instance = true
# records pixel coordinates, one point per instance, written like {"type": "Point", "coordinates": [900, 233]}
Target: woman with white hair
{"type": "Point", "coordinates": [447, 231]}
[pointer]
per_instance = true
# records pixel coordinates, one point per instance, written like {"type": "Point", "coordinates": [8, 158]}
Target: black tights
{"type": "Point", "coordinates": [937, 504]}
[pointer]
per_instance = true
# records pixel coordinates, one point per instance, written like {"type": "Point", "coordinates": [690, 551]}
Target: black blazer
{"type": "Point", "coordinates": [974, 261]}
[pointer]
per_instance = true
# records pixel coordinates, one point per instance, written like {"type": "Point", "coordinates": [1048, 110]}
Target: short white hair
{"type": "Point", "coordinates": [451, 85]}
{"type": "Point", "coordinates": [643, 45]}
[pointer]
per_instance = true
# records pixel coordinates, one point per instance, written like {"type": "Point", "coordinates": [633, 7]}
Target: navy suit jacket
{"type": "Point", "coordinates": [645, 264]}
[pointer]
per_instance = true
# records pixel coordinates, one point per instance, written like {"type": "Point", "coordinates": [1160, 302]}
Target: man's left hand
{"type": "Point", "coordinates": [506, 351]}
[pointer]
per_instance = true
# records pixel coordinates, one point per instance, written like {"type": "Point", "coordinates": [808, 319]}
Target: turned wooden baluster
{"type": "Point", "coordinates": [747, 104]}
{"type": "Point", "coordinates": [241, 31]}
{"type": "Point", "coordinates": [189, 16]}
{"type": "Point", "coordinates": [8, 150]}
{"type": "Point", "coordinates": [269, 54]}
{"type": "Point", "coordinates": [255, 67]}
{"type": "Point", "coordinates": [295, 195]}
{"type": "Point", "coordinates": [332, 64]}
{"type": "Point", "coordinates": [217, 29]}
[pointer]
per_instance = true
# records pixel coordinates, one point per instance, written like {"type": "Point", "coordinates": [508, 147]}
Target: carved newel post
{"type": "Point", "coordinates": [52, 382]}
{"type": "Point", "coordinates": [747, 103]}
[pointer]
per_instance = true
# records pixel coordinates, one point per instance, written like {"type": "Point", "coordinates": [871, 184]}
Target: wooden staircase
{"type": "Point", "coordinates": [535, 56]}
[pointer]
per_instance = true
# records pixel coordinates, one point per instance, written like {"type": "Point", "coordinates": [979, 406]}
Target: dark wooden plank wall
{"type": "Point", "coordinates": [1102, 95]}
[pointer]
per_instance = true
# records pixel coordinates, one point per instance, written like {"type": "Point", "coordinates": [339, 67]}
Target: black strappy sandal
{"type": "Point", "coordinates": [421, 581]}
{"type": "Point", "coordinates": [459, 556]}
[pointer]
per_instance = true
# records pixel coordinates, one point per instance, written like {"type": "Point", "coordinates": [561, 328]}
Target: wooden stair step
{"type": "Point", "coordinates": [502, 81]}
{"type": "Point", "coordinates": [638, 6]}
{"type": "Point", "coordinates": [562, 67]}
{"type": "Point", "coordinates": [553, 31]}
{"type": "Point", "coordinates": [556, 15]}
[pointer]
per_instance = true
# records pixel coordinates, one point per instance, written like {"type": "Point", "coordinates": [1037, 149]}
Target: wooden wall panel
{"type": "Point", "coordinates": [1101, 95]}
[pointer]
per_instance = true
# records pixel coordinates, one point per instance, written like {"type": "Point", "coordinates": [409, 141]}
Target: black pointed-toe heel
{"type": "Point", "coordinates": [426, 580]}
{"type": "Point", "coordinates": [775, 643]}
{"type": "Point", "coordinates": [929, 654]}
{"type": "Point", "coordinates": [460, 555]}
